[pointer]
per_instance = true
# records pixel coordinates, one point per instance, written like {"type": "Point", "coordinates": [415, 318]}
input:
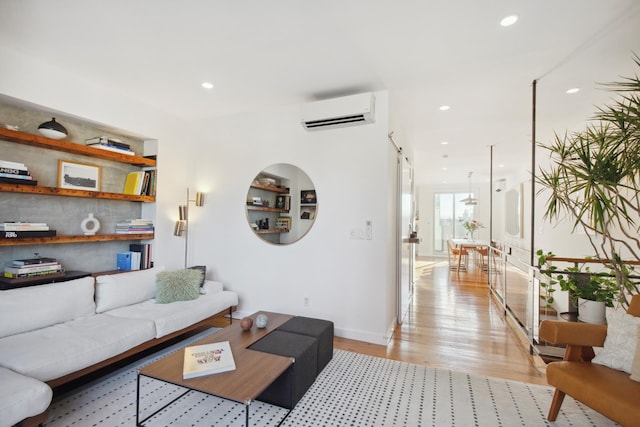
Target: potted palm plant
{"type": "Point", "coordinates": [593, 178]}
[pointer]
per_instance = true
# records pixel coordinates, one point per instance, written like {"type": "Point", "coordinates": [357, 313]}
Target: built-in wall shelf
{"type": "Point", "coordinates": [53, 240]}
{"type": "Point", "coordinates": [54, 191]}
{"type": "Point", "coordinates": [272, 231]}
{"type": "Point", "coordinates": [72, 147]}
{"type": "Point", "coordinates": [270, 188]}
{"type": "Point", "coordinates": [265, 209]}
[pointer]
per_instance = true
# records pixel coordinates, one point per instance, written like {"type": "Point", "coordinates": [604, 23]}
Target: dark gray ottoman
{"type": "Point", "coordinates": [289, 388]}
{"type": "Point", "coordinates": [322, 330]}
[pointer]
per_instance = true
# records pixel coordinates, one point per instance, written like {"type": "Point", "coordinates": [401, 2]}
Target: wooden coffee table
{"type": "Point", "coordinates": [254, 372]}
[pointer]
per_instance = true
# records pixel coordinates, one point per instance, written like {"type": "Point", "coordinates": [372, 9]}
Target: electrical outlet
{"type": "Point", "coordinates": [369, 231]}
{"type": "Point", "coordinates": [306, 301]}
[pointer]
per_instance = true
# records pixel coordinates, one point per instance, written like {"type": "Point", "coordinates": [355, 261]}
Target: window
{"type": "Point", "coordinates": [449, 214]}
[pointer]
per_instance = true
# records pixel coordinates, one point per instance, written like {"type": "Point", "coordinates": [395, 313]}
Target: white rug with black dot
{"type": "Point", "coordinates": [353, 390]}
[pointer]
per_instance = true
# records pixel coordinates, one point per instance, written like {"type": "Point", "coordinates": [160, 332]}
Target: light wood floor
{"type": "Point", "coordinates": [453, 323]}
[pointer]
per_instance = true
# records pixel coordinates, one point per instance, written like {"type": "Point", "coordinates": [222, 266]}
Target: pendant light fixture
{"type": "Point", "coordinates": [470, 200]}
{"type": "Point", "coordinates": [52, 129]}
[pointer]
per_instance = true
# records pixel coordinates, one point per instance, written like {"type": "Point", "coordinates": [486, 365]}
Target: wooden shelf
{"type": "Point", "coordinates": [53, 240]}
{"type": "Point", "coordinates": [271, 231]}
{"type": "Point", "coordinates": [270, 188]}
{"type": "Point", "coordinates": [52, 191]}
{"type": "Point", "coordinates": [265, 209]}
{"type": "Point", "coordinates": [72, 147]}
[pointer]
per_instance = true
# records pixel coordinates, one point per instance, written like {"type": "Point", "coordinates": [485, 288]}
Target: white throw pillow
{"type": "Point", "coordinates": [620, 344]}
{"type": "Point", "coordinates": [119, 290]}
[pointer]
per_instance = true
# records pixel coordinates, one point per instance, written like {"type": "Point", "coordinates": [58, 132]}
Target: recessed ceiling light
{"type": "Point", "coordinates": [500, 166]}
{"type": "Point", "coordinates": [444, 142]}
{"type": "Point", "coordinates": [444, 107]}
{"type": "Point", "coordinates": [508, 21]}
{"type": "Point", "coordinates": [444, 182]}
{"type": "Point", "coordinates": [207, 85]}
{"type": "Point", "coordinates": [573, 90]}
{"type": "Point", "coordinates": [444, 168]}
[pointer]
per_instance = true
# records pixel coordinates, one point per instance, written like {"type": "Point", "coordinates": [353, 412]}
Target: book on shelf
{"type": "Point", "coordinates": [20, 280]}
{"type": "Point", "coordinates": [38, 268]}
{"type": "Point", "coordinates": [106, 140]}
{"type": "Point", "coordinates": [18, 181]}
{"type": "Point", "coordinates": [133, 183]}
{"type": "Point", "coordinates": [23, 226]}
{"type": "Point", "coordinates": [16, 176]}
{"type": "Point", "coordinates": [33, 261]}
{"type": "Point", "coordinates": [25, 234]}
{"type": "Point", "coordinates": [128, 261]}
{"type": "Point", "coordinates": [207, 359]}
{"type": "Point", "coordinates": [135, 226]}
{"type": "Point", "coordinates": [13, 171]}
{"type": "Point", "coordinates": [114, 148]}
{"type": "Point", "coordinates": [37, 274]}
{"type": "Point", "coordinates": [12, 165]}
{"type": "Point", "coordinates": [144, 249]}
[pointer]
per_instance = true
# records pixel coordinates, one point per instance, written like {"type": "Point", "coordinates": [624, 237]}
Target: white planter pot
{"type": "Point", "coordinates": [591, 311]}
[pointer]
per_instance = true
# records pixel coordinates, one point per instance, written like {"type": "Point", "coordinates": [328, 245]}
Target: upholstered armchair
{"type": "Point", "coordinates": [609, 391]}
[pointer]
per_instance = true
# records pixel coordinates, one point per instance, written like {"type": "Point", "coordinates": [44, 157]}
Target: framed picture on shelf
{"type": "Point", "coordinates": [308, 197]}
{"type": "Point", "coordinates": [78, 176]}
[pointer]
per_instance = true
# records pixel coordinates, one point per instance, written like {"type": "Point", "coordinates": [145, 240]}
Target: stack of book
{"type": "Point", "coordinates": [110, 144]}
{"type": "Point", "coordinates": [141, 183]}
{"type": "Point", "coordinates": [21, 230]}
{"type": "Point", "coordinates": [15, 173]}
{"type": "Point", "coordinates": [33, 268]}
{"type": "Point", "coordinates": [135, 226]}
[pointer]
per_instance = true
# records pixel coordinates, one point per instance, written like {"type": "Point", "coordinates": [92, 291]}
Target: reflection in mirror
{"type": "Point", "coordinates": [281, 204]}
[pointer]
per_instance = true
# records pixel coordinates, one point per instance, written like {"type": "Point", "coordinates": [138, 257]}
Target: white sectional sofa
{"type": "Point", "coordinates": [55, 333]}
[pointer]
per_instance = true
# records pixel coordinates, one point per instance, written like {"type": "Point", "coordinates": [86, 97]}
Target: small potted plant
{"type": "Point", "coordinates": [590, 292]}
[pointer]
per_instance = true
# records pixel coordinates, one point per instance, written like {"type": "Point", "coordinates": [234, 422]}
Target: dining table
{"type": "Point", "coordinates": [469, 244]}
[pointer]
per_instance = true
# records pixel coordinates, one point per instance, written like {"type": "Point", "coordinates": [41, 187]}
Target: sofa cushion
{"type": "Point", "coordinates": [27, 309]}
{"type": "Point", "coordinates": [169, 318]}
{"type": "Point", "coordinates": [179, 285]}
{"type": "Point", "coordinates": [118, 290]}
{"type": "Point", "coordinates": [202, 268]}
{"type": "Point", "coordinates": [73, 345]}
{"type": "Point", "coordinates": [21, 397]}
{"type": "Point", "coordinates": [620, 343]}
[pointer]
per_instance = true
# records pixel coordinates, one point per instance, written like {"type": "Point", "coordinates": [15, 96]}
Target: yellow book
{"type": "Point", "coordinates": [133, 183]}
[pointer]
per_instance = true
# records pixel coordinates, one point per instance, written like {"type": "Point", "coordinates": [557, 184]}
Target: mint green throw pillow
{"type": "Point", "coordinates": [179, 285]}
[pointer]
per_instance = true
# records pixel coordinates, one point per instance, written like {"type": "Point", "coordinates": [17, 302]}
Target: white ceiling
{"type": "Point", "coordinates": [425, 52]}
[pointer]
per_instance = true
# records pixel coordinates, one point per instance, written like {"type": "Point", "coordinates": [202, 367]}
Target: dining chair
{"type": "Point", "coordinates": [454, 257]}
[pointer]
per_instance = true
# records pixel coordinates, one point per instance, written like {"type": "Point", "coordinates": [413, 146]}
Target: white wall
{"type": "Point", "coordinates": [345, 280]}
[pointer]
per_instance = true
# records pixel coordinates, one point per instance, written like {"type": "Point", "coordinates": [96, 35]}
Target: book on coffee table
{"type": "Point", "coordinates": [207, 359]}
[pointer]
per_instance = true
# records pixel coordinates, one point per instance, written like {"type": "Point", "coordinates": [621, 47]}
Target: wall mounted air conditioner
{"type": "Point", "coordinates": [351, 110]}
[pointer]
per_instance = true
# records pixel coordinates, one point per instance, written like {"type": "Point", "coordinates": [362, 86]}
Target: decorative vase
{"type": "Point", "coordinates": [591, 311]}
{"type": "Point", "coordinates": [471, 235]}
{"type": "Point", "coordinates": [246, 323]}
{"type": "Point", "coordinates": [90, 225]}
{"type": "Point", "coordinates": [261, 321]}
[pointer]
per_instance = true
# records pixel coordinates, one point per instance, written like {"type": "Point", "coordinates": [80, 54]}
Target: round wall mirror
{"type": "Point", "coordinates": [281, 204]}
